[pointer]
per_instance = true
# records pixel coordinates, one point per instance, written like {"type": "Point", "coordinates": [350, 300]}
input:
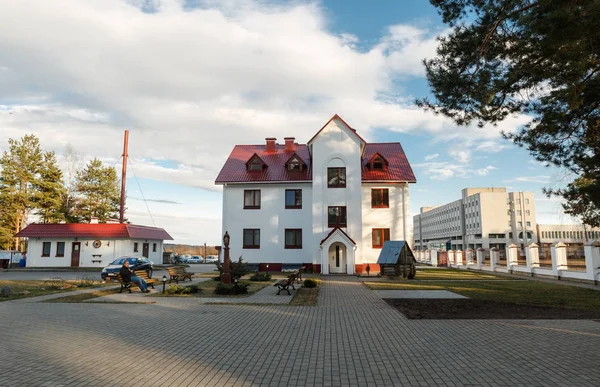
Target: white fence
{"type": "Point", "coordinates": [558, 266]}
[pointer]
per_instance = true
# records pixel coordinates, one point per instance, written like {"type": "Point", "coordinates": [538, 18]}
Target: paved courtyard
{"type": "Point", "coordinates": [351, 338]}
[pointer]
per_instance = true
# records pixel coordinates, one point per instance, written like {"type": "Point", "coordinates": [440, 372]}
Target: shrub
{"type": "Point", "coordinates": [236, 269]}
{"type": "Point", "coordinates": [217, 278]}
{"type": "Point", "coordinates": [311, 283]}
{"type": "Point", "coordinates": [178, 289]}
{"type": "Point", "coordinates": [260, 277]}
{"type": "Point", "coordinates": [194, 289]}
{"type": "Point", "coordinates": [222, 289]}
{"type": "Point", "coordinates": [239, 289]}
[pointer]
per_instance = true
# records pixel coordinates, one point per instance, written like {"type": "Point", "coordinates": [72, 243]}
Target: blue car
{"type": "Point", "coordinates": [111, 271]}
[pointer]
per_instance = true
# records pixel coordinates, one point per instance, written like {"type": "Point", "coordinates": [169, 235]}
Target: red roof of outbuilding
{"type": "Point", "coordinates": [93, 230]}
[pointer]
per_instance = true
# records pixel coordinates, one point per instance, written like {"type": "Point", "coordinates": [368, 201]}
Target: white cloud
{"type": "Point", "coordinates": [431, 157]}
{"type": "Point", "coordinates": [485, 171]}
{"type": "Point", "coordinates": [444, 170]}
{"type": "Point", "coordinates": [541, 179]}
{"type": "Point", "coordinates": [462, 156]}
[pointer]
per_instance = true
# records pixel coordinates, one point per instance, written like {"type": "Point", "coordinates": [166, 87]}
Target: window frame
{"type": "Point", "coordinates": [136, 247]}
{"type": "Point", "coordinates": [385, 194]}
{"type": "Point", "coordinates": [254, 206]}
{"type": "Point", "coordinates": [339, 216]}
{"type": "Point", "coordinates": [44, 244]}
{"type": "Point", "coordinates": [59, 255]}
{"type": "Point", "coordinates": [296, 231]}
{"type": "Point", "coordinates": [338, 185]}
{"type": "Point", "coordinates": [255, 231]}
{"type": "Point", "coordinates": [295, 206]}
{"type": "Point", "coordinates": [383, 232]}
{"type": "Point", "coordinates": [154, 247]}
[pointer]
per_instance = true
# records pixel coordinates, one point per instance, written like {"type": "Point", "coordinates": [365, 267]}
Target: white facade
{"type": "Point", "coordinates": [483, 217]}
{"type": "Point", "coordinates": [331, 250]}
{"type": "Point", "coordinates": [567, 233]}
{"type": "Point", "coordinates": [89, 256]}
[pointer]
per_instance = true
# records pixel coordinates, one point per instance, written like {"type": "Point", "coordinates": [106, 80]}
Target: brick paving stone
{"type": "Point", "coordinates": [351, 338]}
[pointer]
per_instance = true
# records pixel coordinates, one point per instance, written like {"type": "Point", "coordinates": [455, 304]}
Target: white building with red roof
{"type": "Point", "coordinates": [90, 244]}
{"type": "Point", "coordinates": [330, 203]}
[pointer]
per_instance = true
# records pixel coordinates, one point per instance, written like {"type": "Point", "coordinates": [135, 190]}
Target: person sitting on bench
{"type": "Point", "coordinates": [129, 276]}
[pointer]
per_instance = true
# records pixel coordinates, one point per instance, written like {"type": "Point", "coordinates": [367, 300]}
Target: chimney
{"type": "Point", "coordinates": [271, 145]}
{"type": "Point", "coordinates": [289, 144]}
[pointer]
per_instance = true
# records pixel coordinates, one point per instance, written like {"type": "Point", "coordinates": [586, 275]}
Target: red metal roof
{"type": "Point", "coordinates": [333, 231]}
{"type": "Point", "coordinates": [93, 230]}
{"type": "Point", "coordinates": [398, 168]}
{"type": "Point", "coordinates": [234, 170]}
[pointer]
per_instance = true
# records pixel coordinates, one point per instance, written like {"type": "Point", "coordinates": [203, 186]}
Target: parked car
{"type": "Point", "coordinates": [135, 263]}
{"type": "Point", "coordinates": [195, 259]}
{"type": "Point", "coordinates": [211, 259]}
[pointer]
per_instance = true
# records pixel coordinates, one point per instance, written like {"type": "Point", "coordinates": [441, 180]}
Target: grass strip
{"type": "Point", "coordinates": [305, 297]}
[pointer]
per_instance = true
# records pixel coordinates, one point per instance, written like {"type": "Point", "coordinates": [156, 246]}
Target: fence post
{"type": "Point", "coordinates": [559, 256]}
{"type": "Point", "coordinates": [480, 254]}
{"type": "Point", "coordinates": [494, 258]}
{"type": "Point", "coordinates": [433, 257]}
{"type": "Point", "coordinates": [592, 259]}
{"type": "Point", "coordinates": [450, 257]}
{"type": "Point", "coordinates": [469, 254]}
{"type": "Point", "coordinates": [532, 255]}
{"type": "Point", "coordinates": [459, 257]}
{"type": "Point", "coordinates": [512, 258]}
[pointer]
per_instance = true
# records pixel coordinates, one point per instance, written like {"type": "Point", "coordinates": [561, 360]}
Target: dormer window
{"type": "Point", "coordinates": [255, 164]}
{"type": "Point", "coordinates": [295, 164]}
{"type": "Point", "coordinates": [377, 163]}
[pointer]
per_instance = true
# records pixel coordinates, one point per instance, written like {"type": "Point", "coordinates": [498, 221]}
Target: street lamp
{"type": "Point", "coordinates": [164, 281]}
{"type": "Point", "coordinates": [267, 269]}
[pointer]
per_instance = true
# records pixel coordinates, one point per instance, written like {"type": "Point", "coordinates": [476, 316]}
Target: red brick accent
{"type": "Point", "coordinates": [360, 269]}
{"type": "Point", "coordinates": [272, 267]}
{"type": "Point", "coordinates": [316, 269]}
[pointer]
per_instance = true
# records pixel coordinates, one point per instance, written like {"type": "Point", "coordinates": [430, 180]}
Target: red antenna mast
{"type": "Point", "coordinates": [124, 176]}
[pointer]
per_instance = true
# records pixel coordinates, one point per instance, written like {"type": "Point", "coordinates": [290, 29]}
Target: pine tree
{"type": "Point", "coordinates": [98, 193]}
{"type": "Point", "coordinates": [20, 169]}
{"type": "Point", "coordinates": [537, 58]}
{"type": "Point", "coordinates": [50, 191]}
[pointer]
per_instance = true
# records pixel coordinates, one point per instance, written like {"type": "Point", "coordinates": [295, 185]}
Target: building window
{"type": "Point", "coordinates": [251, 199]}
{"type": "Point", "coordinates": [526, 201]}
{"type": "Point", "coordinates": [255, 164]}
{"type": "Point", "coordinates": [293, 238]}
{"type": "Point", "coordinates": [380, 235]}
{"type": "Point", "coordinates": [380, 198]}
{"type": "Point", "coordinates": [510, 235]}
{"type": "Point", "coordinates": [527, 212]}
{"type": "Point", "coordinates": [520, 223]}
{"type": "Point", "coordinates": [60, 249]}
{"type": "Point", "coordinates": [293, 198]}
{"type": "Point", "coordinates": [508, 212]}
{"type": "Point", "coordinates": [46, 249]}
{"type": "Point", "coordinates": [336, 216]}
{"type": "Point", "coordinates": [294, 165]}
{"type": "Point", "coordinates": [336, 177]}
{"type": "Point", "coordinates": [251, 238]}
{"type": "Point", "coordinates": [135, 247]}
{"type": "Point", "coordinates": [154, 247]}
{"type": "Point", "coordinates": [518, 212]}
{"type": "Point", "coordinates": [528, 223]}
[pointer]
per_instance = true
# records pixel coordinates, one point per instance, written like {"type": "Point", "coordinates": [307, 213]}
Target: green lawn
{"type": "Point", "coordinates": [527, 292]}
{"type": "Point", "coordinates": [42, 288]}
{"type": "Point", "coordinates": [455, 274]}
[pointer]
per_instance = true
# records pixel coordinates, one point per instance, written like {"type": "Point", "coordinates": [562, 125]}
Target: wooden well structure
{"type": "Point", "coordinates": [396, 259]}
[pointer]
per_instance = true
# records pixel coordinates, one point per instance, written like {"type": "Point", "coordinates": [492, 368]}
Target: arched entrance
{"type": "Point", "coordinates": [337, 258]}
{"type": "Point", "coordinates": [337, 253]}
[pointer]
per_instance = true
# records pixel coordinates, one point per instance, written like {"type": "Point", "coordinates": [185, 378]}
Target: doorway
{"type": "Point", "coordinates": [75, 252]}
{"type": "Point", "coordinates": [337, 258]}
{"type": "Point", "coordinates": [145, 250]}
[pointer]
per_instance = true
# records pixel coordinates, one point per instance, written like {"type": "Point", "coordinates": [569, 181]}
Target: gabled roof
{"type": "Point", "coordinates": [395, 252]}
{"type": "Point", "coordinates": [296, 156]}
{"type": "Point", "coordinates": [234, 170]}
{"type": "Point", "coordinates": [93, 230]}
{"type": "Point", "coordinates": [345, 123]}
{"type": "Point", "coordinates": [398, 167]}
{"type": "Point", "coordinates": [255, 156]}
{"type": "Point", "coordinates": [333, 232]}
{"type": "Point", "coordinates": [375, 156]}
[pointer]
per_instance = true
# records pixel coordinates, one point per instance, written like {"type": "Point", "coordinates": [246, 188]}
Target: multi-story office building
{"type": "Point", "coordinates": [483, 217]}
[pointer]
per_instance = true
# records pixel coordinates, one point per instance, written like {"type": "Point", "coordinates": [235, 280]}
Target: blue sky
{"type": "Point", "coordinates": [190, 79]}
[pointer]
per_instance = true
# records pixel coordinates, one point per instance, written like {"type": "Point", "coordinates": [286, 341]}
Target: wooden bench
{"type": "Point", "coordinates": [178, 273]}
{"type": "Point", "coordinates": [137, 273]}
{"type": "Point", "coordinates": [285, 284]}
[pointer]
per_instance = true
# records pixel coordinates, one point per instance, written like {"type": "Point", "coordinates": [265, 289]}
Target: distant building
{"type": "Point", "coordinates": [483, 217]}
{"type": "Point", "coordinates": [90, 245]}
{"type": "Point", "coordinates": [573, 235]}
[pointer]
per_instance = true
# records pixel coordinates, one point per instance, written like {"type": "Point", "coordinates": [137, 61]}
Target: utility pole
{"type": "Point", "coordinates": [204, 251]}
{"type": "Point", "coordinates": [124, 177]}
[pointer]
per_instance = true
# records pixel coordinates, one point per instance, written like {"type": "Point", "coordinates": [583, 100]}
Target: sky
{"type": "Point", "coordinates": [191, 79]}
